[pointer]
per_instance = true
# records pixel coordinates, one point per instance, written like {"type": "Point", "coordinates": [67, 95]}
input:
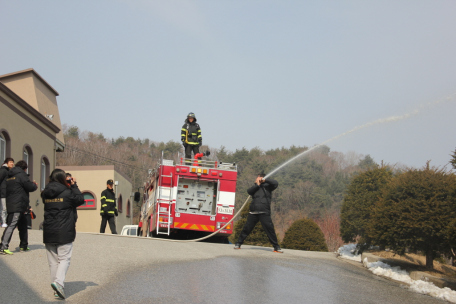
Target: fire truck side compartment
{"type": "Point", "coordinates": [196, 197]}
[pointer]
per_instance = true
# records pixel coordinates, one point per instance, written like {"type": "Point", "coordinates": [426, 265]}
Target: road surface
{"type": "Point", "coordinates": [113, 269]}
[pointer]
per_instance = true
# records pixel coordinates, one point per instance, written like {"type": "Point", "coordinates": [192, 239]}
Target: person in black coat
{"type": "Point", "coordinates": [59, 227]}
{"type": "Point", "coordinates": [18, 187]}
{"type": "Point", "coordinates": [260, 211]}
{"type": "Point", "coordinates": [7, 165]}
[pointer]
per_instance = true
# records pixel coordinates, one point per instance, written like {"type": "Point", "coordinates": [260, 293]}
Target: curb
{"type": "Point", "coordinates": [415, 275]}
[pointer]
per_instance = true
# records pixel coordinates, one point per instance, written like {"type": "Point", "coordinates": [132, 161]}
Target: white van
{"type": "Point", "coordinates": [129, 230]}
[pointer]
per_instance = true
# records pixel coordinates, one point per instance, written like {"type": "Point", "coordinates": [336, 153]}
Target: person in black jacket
{"type": "Point", "coordinates": [18, 186]}
{"type": "Point", "coordinates": [7, 165]}
{"type": "Point", "coordinates": [60, 199]}
{"type": "Point", "coordinates": [108, 208]}
{"type": "Point", "coordinates": [191, 136]}
{"type": "Point", "coordinates": [260, 211]}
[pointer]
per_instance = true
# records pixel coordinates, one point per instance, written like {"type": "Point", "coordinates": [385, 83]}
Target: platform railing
{"type": "Point", "coordinates": [207, 164]}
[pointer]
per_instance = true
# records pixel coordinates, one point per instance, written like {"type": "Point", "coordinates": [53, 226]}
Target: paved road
{"type": "Point", "coordinates": [111, 269]}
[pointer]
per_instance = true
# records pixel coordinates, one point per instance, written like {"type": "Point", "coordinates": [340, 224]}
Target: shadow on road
{"type": "Point", "coordinates": [72, 288]}
{"type": "Point", "coordinates": [32, 247]}
{"type": "Point", "coordinates": [270, 249]}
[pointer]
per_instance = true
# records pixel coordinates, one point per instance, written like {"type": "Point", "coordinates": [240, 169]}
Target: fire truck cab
{"type": "Point", "coordinates": [191, 195]}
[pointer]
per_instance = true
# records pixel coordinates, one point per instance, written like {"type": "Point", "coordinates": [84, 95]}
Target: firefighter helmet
{"type": "Point", "coordinates": [191, 114]}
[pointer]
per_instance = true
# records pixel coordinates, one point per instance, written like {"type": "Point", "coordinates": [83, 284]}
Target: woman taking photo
{"type": "Point", "coordinates": [60, 198]}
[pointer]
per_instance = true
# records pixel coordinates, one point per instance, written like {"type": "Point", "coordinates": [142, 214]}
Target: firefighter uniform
{"type": "Point", "coordinates": [108, 209]}
{"type": "Point", "coordinates": [191, 136]}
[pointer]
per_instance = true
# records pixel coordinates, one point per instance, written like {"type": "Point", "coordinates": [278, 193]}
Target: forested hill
{"type": "Point", "coordinates": [312, 186]}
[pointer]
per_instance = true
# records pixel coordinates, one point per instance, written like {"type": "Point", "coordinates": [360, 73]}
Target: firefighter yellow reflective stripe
{"type": "Point", "coordinates": [199, 131]}
{"type": "Point", "coordinates": [110, 211]}
{"type": "Point", "coordinates": [194, 134]}
{"type": "Point", "coordinates": [200, 136]}
{"type": "Point", "coordinates": [193, 143]}
{"type": "Point", "coordinates": [104, 205]}
{"type": "Point", "coordinates": [110, 200]}
{"type": "Point", "coordinates": [103, 197]}
{"type": "Point", "coordinates": [184, 129]}
{"type": "Point", "coordinates": [182, 134]}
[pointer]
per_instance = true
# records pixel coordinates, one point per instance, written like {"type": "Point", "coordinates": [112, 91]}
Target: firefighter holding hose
{"type": "Point", "coordinates": [191, 136]}
{"type": "Point", "coordinates": [260, 211]}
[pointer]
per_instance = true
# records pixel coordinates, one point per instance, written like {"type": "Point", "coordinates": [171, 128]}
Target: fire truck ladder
{"type": "Point", "coordinates": [168, 201]}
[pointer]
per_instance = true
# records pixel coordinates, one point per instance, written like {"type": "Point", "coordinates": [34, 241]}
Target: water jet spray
{"type": "Point", "coordinates": [375, 122]}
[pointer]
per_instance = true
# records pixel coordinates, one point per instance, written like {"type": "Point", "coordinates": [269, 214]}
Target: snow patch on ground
{"type": "Point", "coordinates": [347, 252]}
{"type": "Point", "coordinates": [419, 286]}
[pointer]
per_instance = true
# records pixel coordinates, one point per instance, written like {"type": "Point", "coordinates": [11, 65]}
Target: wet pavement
{"type": "Point", "coordinates": [255, 280]}
{"type": "Point", "coordinates": [112, 269]}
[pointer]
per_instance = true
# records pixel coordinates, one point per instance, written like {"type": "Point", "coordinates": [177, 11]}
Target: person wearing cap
{"type": "Point", "coordinates": [260, 211]}
{"type": "Point", "coordinates": [191, 136]}
{"type": "Point", "coordinates": [108, 208]}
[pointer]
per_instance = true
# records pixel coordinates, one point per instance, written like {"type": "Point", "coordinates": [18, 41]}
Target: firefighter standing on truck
{"type": "Point", "coordinates": [108, 208]}
{"type": "Point", "coordinates": [191, 136]}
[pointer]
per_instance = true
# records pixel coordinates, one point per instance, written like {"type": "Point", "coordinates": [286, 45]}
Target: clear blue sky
{"type": "Point", "coordinates": [256, 73]}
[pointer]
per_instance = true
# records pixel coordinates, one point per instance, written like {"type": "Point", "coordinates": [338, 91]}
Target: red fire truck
{"type": "Point", "coordinates": [190, 198]}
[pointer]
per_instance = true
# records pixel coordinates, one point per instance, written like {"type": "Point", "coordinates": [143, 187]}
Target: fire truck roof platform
{"type": "Point", "coordinates": [208, 164]}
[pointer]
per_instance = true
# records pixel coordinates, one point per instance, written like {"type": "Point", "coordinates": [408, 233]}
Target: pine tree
{"type": "Point", "coordinates": [305, 234]}
{"type": "Point", "coordinates": [367, 162]}
{"type": "Point", "coordinates": [362, 194]}
{"type": "Point", "coordinates": [453, 159]}
{"type": "Point", "coordinates": [415, 212]}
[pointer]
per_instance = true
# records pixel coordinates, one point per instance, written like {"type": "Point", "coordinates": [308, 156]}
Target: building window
{"type": "Point", "coordinates": [128, 208]}
{"type": "Point", "coordinates": [89, 201]}
{"type": "Point", "coordinates": [28, 157]}
{"type": "Point", "coordinates": [45, 172]}
{"type": "Point", "coordinates": [2, 147]}
{"type": "Point", "coordinates": [5, 145]}
{"type": "Point", "coordinates": [119, 203]}
{"type": "Point", "coordinates": [25, 157]}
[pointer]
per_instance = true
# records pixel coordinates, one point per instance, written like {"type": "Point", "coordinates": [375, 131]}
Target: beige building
{"type": "Point", "coordinates": [30, 128]}
{"type": "Point", "coordinates": [91, 181]}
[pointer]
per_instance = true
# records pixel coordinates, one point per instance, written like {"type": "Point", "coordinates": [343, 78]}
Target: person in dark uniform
{"type": "Point", "coordinates": [108, 208]}
{"type": "Point", "coordinates": [18, 186]}
{"type": "Point", "coordinates": [260, 211]}
{"type": "Point", "coordinates": [191, 136]}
